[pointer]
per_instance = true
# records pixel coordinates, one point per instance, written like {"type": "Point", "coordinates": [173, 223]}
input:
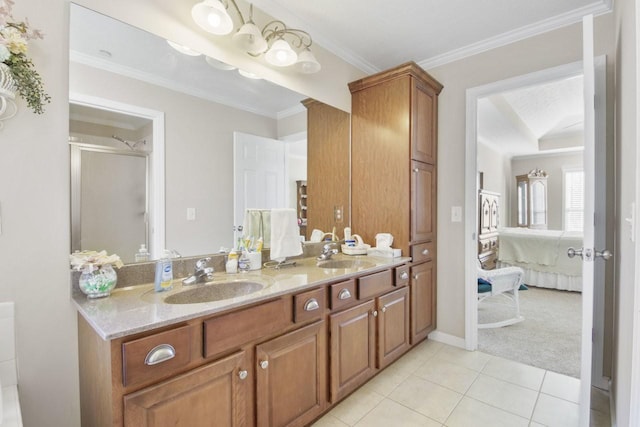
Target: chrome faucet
{"type": "Point", "coordinates": [201, 274]}
{"type": "Point", "coordinates": [327, 252]}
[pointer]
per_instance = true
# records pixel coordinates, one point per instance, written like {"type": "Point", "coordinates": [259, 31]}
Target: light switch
{"type": "Point", "coordinates": [456, 213]}
{"type": "Point", "coordinates": [191, 214]}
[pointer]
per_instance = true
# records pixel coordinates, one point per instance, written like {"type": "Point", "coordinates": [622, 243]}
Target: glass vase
{"type": "Point", "coordinates": [98, 281]}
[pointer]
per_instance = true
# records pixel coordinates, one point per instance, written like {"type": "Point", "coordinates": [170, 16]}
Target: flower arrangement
{"type": "Point", "coordinates": [80, 260]}
{"type": "Point", "coordinates": [14, 38]}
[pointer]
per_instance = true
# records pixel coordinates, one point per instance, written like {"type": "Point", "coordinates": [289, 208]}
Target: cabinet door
{"type": "Point", "coordinates": [213, 394]}
{"type": "Point", "coordinates": [291, 379]}
{"type": "Point", "coordinates": [423, 300]}
{"type": "Point", "coordinates": [423, 124]}
{"type": "Point", "coordinates": [352, 348]}
{"type": "Point", "coordinates": [423, 202]}
{"type": "Point", "coordinates": [393, 326]}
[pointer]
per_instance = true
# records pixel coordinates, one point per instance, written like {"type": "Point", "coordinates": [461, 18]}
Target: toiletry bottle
{"type": "Point", "coordinates": [232, 262]}
{"type": "Point", "coordinates": [164, 273]}
{"type": "Point", "coordinates": [244, 264]}
{"type": "Point", "coordinates": [347, 233]}
{"type": "Point", "coordinates": [142, 254]}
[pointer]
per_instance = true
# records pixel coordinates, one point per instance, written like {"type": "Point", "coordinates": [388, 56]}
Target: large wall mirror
{"type": "Point", "coordinates": [121, 79]}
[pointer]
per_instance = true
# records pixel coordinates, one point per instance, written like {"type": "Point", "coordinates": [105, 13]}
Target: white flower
{"type": "Point", "coordinates": [79, 260]}
{"type": "Point", "coordinates": [14, 40]}
{"type": "Point", "coordinates": [4, 53]}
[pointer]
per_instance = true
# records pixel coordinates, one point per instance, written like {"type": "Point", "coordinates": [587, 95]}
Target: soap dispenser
{"type": "Point", "coordinates": [142, 255]}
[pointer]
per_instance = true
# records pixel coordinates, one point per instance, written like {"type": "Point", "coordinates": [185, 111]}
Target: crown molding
{"type": "Point", "coordinates": [129, 72]}
{"type": "Point", "coordinates": [563, 20]}
{"type": "Point", "coordinates": [296, 109]}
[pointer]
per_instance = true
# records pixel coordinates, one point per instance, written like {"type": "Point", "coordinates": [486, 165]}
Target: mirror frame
{"type": "Point", "coordinates": [156, 176]}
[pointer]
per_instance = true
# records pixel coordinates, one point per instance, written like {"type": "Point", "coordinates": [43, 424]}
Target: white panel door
{"type": "Point", "coordinates": [259, 174]}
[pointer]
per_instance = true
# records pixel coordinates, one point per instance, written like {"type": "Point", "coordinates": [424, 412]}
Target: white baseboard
{"type": "Point", "coordinates": [447, 339]}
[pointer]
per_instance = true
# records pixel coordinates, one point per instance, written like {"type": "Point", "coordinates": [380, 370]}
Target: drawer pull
{"type": "Point", "coordinates": [375, 313]}
{"type": "Point", "coordinates": [311, 305]}
{"type": "Point", "coordinates": [344, 294]}
{"type": "Point", "coordinates": [404, 275]}
{"type": "Point", "coordinates": [384, 308]}
{"type": "Point", "coordinates": [160, 353]}
{"type": "Point", "coordinates": [416, 170]}
{"type": "Point", "coordinates": [243, 374]}
{"type": "Point", "coordinates": [264, 364]}
{"type": "Point", "coordinates": [425, 252]}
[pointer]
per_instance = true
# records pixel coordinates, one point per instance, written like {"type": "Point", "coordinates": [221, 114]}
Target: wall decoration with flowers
{"type": "Point", "coordinates": [17, 72]}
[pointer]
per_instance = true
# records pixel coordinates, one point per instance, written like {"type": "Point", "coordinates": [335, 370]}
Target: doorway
{"type": "Point", "coordinates": [471, 197]}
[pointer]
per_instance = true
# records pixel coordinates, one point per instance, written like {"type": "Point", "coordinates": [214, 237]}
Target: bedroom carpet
{"type": "Point", "coordinates": [549, 336]}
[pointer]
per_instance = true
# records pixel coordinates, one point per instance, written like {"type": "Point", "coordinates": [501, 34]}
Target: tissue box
{"type": "Point", "coordinates": [385, 252]}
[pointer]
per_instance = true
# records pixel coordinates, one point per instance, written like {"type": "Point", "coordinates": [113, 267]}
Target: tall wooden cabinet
{"type": "Point", "coordinates": [488, 222]}
{"type": "Point", "coordinates": [394, 118]}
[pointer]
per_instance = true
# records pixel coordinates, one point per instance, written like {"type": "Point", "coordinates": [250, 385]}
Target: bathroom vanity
{"type": "Point", "coordinates": [279, 356]}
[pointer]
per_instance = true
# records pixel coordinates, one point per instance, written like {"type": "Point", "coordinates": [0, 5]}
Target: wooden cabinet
{"type": "Point", "coordinates": [488, 223]}
{"type": "Point", "coordinates": [291, 377]}
{"type": "Point", "coordinates": [328, 154]}
{"type": "Point", "coordinates": [423, 300]}
{"type": "Point", "coordinates": [394, 153]}
{"type": "Point", "coordinates": [217, 391]}
{"type": "Point", "coordinates": [356, 354]}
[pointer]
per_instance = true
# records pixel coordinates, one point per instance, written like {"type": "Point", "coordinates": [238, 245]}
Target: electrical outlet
{"type": "Point", "coordinates": [337, 213]}
{"type": "Point", "coordinates": [191, 214]}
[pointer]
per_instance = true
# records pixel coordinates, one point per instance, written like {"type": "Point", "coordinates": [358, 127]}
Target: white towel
{"type": "Point", "coordinates": [285, 234]}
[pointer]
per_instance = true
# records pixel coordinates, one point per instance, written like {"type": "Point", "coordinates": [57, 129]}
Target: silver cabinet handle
{"type": "Point", "coordinates": [375, 313]}
{"type": "Point", "coordinates": [243, 374]}
{"type": "Point", "coordinates": [160, 353]}
{"type": "Point", "coordinates": [384, 308]}
{"type": "Point", "coordinates": [415, 276]}
{"type": "Point", "coordinates": [311, 305]}
{"type": "Point", "coordinates": [404, 275]}
{"type": "Point", "coordinates": [264, 364]}
{"type": "Point", "coordinates": [344, 294]}
{"type": "Point", "coordinates": [416, 170]}
{"type": "Point", "coordinates": [425, 252]}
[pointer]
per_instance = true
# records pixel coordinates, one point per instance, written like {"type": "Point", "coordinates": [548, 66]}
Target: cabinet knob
{"type": "Point", "coordinates": [425, 252]}
{"type": "Point", "coordinates": [375, 313]}
{"type": "Point", "coordinates": [311, 305]}
{"type": "Point", "coordinates": [384, 308]}
{"type": "Point", "coordinates": [243, 374]}
{"type": "Point", "coordinates": [264, 364]}
{"type": "Point", "coordinates": [404, 275]}
{"type": "Point", "coordinates": [160, 353]}
{"type": "Point", "coordinates": [344, 294]}
{"type": "Point", "coordinates": [416, 170]}
{"type": "Point", "coordinates": [415, 277]}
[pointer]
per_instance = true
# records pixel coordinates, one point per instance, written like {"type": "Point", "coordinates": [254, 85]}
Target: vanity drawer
{"type": "Point", "coordinates": [309, 305]}
{"type": "Point", "coordinates": [230, 331]}
{"type": "Point", "coordinates": [375, 284]}
{"type": "Point", "coordinates": [422, 252]}
{"type": "Point", "coordinates": [343, 294]}
{"type": "Point", "coordinates": [402, 275]}
{"type": "Point", "coordinates": [156, 356]}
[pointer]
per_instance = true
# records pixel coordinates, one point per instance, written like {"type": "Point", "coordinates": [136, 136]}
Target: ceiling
{"type": "Point", "coordinates": [429, 32]}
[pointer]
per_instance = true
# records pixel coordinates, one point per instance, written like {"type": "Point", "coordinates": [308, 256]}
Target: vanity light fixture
{"type": "Point", "coordinates": [213, 17]}
{"type": "Point", "coordinates": [183, 49]}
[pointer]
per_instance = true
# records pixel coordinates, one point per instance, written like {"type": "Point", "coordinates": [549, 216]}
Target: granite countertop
{"type": "Point", "coordinates": [138, 308]}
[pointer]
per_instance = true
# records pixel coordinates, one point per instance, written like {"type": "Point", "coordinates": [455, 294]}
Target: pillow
{"type": "Point", "coordinates": [483, 286]}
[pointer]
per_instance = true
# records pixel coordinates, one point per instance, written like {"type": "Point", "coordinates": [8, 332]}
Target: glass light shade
{"type": "Point", "coordinates": [307, 62]}
{"type": "Point", "coordinates": [211, 16]}
{"type": "Point", "coordinates": [218, 64]}
{"type": "Point", "coordinates": [183, 49]}
{"type": "Point", "coordinates": [249, 39]}
{"type": "Point", "coordinates": [249, 75]}
{"type": "Point", "coordinates": [281, 54]}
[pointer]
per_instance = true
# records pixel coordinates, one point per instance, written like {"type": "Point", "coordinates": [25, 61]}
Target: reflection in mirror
{"type": "Point", "coordinates": [202, 106]}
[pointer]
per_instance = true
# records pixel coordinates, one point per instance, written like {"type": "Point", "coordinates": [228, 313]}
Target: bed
{"type": "Point", "coordinates": [542, 254]}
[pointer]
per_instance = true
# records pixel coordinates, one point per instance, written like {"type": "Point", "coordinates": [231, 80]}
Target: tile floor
{"type": "Point", "coordinates": [436, 385]}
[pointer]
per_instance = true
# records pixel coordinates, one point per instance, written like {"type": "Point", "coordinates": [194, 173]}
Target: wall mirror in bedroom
{"type": "Point", "coordinates": [116, 70]}
{"type": "Point", "coordinates": [528, 137]}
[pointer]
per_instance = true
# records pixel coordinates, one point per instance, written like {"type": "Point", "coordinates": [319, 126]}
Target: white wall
{"type": "Point", "coordinates": [553, 165]}
{"type": "Point", "coordinates": [547, 50]}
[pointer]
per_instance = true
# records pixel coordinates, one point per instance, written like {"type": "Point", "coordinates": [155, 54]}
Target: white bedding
{"type": "Point", "coordinates": [543, 256]}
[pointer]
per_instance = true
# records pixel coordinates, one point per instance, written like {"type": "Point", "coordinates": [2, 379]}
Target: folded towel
{"type": "Point", "coordinates": [285, 234]}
